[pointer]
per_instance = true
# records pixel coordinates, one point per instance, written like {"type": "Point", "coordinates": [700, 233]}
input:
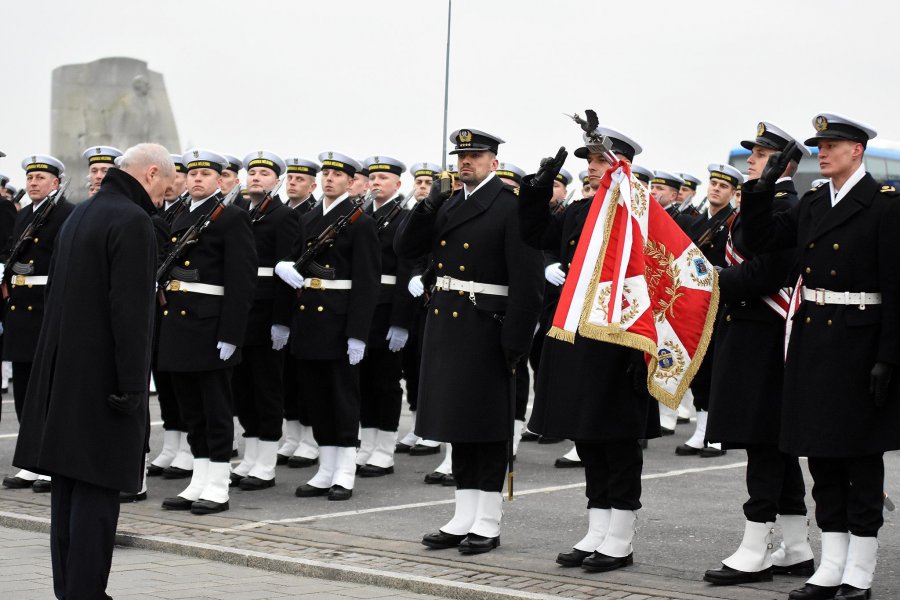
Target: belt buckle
{"type": "Point", "coordinates": [315, 283]}
{"type": "Point", "coordinates": [19, 280]}
{"type": "Point", "coordinates": [174, 285]}
{"type": "Point", "coordinates": [820, 296]}
{"type": "Point", "coordinates": [443, 283]}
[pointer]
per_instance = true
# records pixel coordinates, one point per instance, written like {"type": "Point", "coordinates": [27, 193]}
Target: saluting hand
{"type": "Point", "coordinates": [775, 166]}
{"type": "Point", "coordinates": [550, 168]}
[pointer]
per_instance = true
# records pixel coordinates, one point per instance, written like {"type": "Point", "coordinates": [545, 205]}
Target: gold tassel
{"type": "Point", "coordinates": [562, 335]}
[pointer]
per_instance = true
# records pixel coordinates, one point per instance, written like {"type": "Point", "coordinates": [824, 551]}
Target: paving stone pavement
{"type": "Point", "coordinates": [139, 574]}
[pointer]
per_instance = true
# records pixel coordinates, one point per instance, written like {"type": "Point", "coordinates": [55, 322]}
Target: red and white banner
{"type": "Point", "coordinates": [780, 301]}
{"type": "Point", "coordinates": [637, 281]}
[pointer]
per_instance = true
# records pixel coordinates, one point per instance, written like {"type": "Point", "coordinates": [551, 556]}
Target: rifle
{"type": "Point", "coordinates": [188, 239]}
{"type": "Point", "coordinates": [181, 204]}
{"type": "Point", "coordinates": [15, 199]}
{"type": "Point", "coordinates": [259, 211]}
{"type": "Point", "coordinates": [385, 220]}
{"type": "Point", "coordinates": [707, 237]}
{"type": "Point", "coordinates": [429, 282]}
{"type": "Point", "coordinates": [28, 235]}
{"type": "Point", "coordinates": [326, 240]}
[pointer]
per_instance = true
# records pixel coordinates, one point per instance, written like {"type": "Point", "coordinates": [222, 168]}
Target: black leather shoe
{"type": "Point", "coordinates": [710, 452]}
{"type": "Point", "coordinates": [422, 450]}
{"type": "Point", "coordinates": [373, 471]}
{"type": "Point", "coordinates": [848, 592]}
{"type": "Point", "coordinates": [549, 440]}
{"type": "Point", "coordinates": [125, 497]}
{"type": "Point", "coordinates": [728, 576]}
{"type": "Point", "coordinates": [339, 492]}
{"type": "Point", "coordinates": [251, 484]}
{"type": "Point", "coordinates": [177, 503]}
{"type": "Point", "coordinates": [308, 491]}
{"type": "Point", "coordinates": [441, 541]}
{"type": "Point", "coordinates": [154, 471]}
{"type": "Point", "coordinates": [176, 473]}
{"type": "Point", "coordinates": [564, 463]}
{"type": "Point", "coordinates": [402, 448]}
{"type": "Point", "coordinates": [281, 459]}
{"type": "Point", "coordinates": [208, 507]}
{"type": "Point", "coordinates": [478, 544]}
{"type": "Point", "coordinates": [814, 592]}
{"type": "Point", "coordinates": [573, 558]}
{"type": "Point", "coordinates": [665, 431]}
{"type": "Point", "coordinates": [41, 486]}
{"type": "Point", "coordinates": [298, 462]}
{"type": "Point", "coordinates": [599, 563]}
{"type": "Point", "coordinates": [17, 483]}
{"type": "Point", "coordinates": [449, 480]}
{"type": "Point", "coordinates": [685, 450]}
{"type": "Point", "coordinates": [434, 477]}
{"type": "Point", "coordinates": [530, 436]}
{"type": "Point", "coordinates": [234, 479]}
{"type": "Point", "coordinates": [801, 569]}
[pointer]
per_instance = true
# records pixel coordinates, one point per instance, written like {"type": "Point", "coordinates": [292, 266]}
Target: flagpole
{"type": "Point", "coordinates": [446, 87]}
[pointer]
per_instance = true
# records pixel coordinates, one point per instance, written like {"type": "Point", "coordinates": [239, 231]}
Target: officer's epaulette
{"type": "Point", "coordinates": [889, 190]}
{"type": "Point", "coordinates": [781, 194]}
{"type": "Point", "coordinates": [813, 190]}
{"type": "Point", "coordinates": [515, 191]}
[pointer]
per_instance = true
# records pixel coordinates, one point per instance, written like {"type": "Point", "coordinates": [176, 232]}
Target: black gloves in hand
{"type": "Point", "coordinates": [550, 168]}
{"type": "Point", "coordinates": [880, 381]}
{"type": "Point", "coordinates": [127, 403]}
{"type": "Point", "coordinates": [775, 166]}
{"type": "Point", "coordinates": [439, 193]}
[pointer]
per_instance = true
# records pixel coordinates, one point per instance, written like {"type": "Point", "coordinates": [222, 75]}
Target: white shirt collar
{"type": "Point", "coordinates": [478, 187]}
{"type": "Point", "coordinates": [326, 208]}
{"type": "Point", "coordinates": [848, 185]}
{"type": "Point", "coordinates": [780, 179]}
{"type": "Point", "coordinates": [196, 203]}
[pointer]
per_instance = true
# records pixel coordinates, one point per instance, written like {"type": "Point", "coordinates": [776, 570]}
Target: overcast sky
{"type": "Point", "coordinates": [687, 80]}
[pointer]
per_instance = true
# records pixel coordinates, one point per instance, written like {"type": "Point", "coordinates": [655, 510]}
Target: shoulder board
{"type": "Point", "coordinates": [781, 194]}
{"type": "Point", "coordinates": [889, 190]}
{"type": "Point", "coordinates": [813, 190]}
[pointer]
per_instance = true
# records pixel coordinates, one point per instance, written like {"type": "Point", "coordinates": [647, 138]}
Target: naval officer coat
{"type": "Point", "coordinates": [827, 410]}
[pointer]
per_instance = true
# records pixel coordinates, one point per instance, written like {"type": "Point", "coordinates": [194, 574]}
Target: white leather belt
{"type": "Point", "coordinates": [29, 280]}
{"type": "Point", "coordinates": [389, 279]}
{"type": "Point", "coordinates": [473, 287]}
{"type": "Point", "coordinates": [314, 283]}
{"type": "Point", "coordinates": [265, 272]}
{"type": "Point", "coordinates": [860, 299]}
{"type": "Point", "coordinates": [197, 288]}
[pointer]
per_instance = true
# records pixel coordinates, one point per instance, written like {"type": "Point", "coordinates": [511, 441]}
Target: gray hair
{"type": "Point", "coordinates": [145, 155]}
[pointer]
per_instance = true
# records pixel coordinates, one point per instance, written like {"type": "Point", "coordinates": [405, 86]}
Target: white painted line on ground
{"type": "Point", "coordinates": [9, 436]}
{"type": "Point", "coordinates": [543, 490]}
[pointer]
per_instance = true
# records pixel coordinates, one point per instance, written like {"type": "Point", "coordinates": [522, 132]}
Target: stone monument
{"type": "Point", "coordinates": [112, 102]}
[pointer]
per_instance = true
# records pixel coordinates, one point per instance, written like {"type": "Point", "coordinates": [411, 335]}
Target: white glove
{"type": "Point", "coordinates": [285, 269]}
{"type": "Point", "coordinates": [554, 274]}
{"type": "Point", "coordinates": [225, 350]}
{"type": "Point", "coordinates": [280, 335]}
{"type": "Point", "coordinates": [415, 286]}
{"type": "Point", "coordinates": [355, 350]}
{"type": "Point", "coordinates": [397, 337]}
{"type": "Point", "coordinates": [1, 324]}
{"type": "Point", "coordinates": [2, 270]}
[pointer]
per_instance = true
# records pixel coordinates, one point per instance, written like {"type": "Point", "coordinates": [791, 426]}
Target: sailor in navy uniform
{"type": "Point", "coordinates": [747, 382]}
{"type": "Point", "coordinates": [259, 378]}
{"type": "Point", "coordinates": [299, 447]}
{"type": "Point", "coordinates": [840, 405]}
{"type": "Point", "coordinates": [230, 174]}
{"type": "Point", "coordinates": [100, 159]}
{"type": "Point", "coordinates": [643, 175]}
{"type": "Point", "coordinates": [486, 308]}
{"type": "Point", "coordinates": [331, 325]}
{"type": "Point", "coordinates": [28, 280]}
{"type": "Point", "coordinates": [209, 294]}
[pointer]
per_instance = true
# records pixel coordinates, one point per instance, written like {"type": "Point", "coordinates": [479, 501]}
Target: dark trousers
{"type": "Point", "coordinates": [412, 357]}
{"type": "Point", "coordinates": [294, 406]}
{"type": "Point", "coordinates": [480, 466]}
{"type": "Point", "coordinates": [702, 382]}
{"type": "Point", "coordinates": [258, 386]}
{"type": "Point", "coordinates": [21, 371]}
{"type": "Point", "coordinates": [380, 393]}
{"type": "Point", "coordinates": [523, 384]}
{"type": "Point", "coordinates": [83, 520]}
{"type": "Point", "coordinates": [774, 483]}
{"type": "Point", "coordinates": [612, 473]}
{"type": "Point", "coordinates": [204, 398]}
{"type": "Point", "coordinates": [168, 403]}
{"type": "Point", "coordinates": [332, 390]}
{"type": "Point", "coordinates": [849, 493]}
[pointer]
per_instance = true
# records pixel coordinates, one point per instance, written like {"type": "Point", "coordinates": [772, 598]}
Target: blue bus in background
{"type": "Point", "coordinates": [882, 160]}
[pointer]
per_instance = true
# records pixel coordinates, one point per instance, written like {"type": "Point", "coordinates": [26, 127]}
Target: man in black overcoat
{"type": "Point", "coordinates": [840, 406]}
{"type": "Point", "coordinates": [479, 325]}
{"type": "Point", "coordinates": [85, 416]}
{"type": "Point", "coordinates": [747, 380]}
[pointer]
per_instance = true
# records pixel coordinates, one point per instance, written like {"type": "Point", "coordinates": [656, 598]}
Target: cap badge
{"type": "Point", "coordinates": [259, 154]}
{"type": "Point", "coordinates": [760, 129]}
{"type": "Point", "coordinates": [330, 155]}
{"type": "Point", "coordinates": [97, 150]}
{"type": "Point", "coordinates": [196, 154]}
{"type": "Point", "coordinates": [465, 136]}
{"type": "Point", "coordinates": [821, 123]}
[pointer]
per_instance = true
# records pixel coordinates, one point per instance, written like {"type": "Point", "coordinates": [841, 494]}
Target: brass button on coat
{"type": "Point", "coordinates": [837, 246]}
{"type": "Point", "coordinates": [808, 270]}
